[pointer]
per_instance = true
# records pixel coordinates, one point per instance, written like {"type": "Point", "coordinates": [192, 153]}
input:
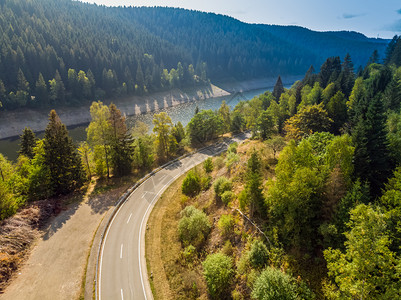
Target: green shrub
{"type": "Point", "coordinates": [189, 253]}
{"type": "Point", "coordinates": [227, 197]}
{"type": "Point", "coordinates": [191, 186]}
{"type": "Point", "coordinates": [226, 224]}
{"type": "Point", "coordinates": [221, 185]}
{"type": "Point", "coordinates": [208, 165]}
{"type": "Point", "coordinates": [193, 227]}
{"type": "Point", "coordinates": [206, 182]}
{"type": "Point", "coordinates": [218, 272]}
{"type": "Point", "coordinates": [219, 162]}
{"type": "Point", "coordinates": [258, 255]}
{"type": "Point", "coordinates": [272, 284]}
{"type": "Point", "coordinates": [188, 211]}
{"type": "Point", "coordinates": [232, 148]}
{"type": "Point", "coordinates": [243, 199]}
{"type": "Point", "coordinates": [227, 249]}
{"type": "Point", "coordinates": [231, 160]}
{"type": "Point", "coordinates": [8, 204]}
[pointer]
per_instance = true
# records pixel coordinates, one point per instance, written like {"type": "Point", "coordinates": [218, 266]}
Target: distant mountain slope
{"type": "Point", "coordinates": [58, 52]}
{"type": "Point", "coordinates": [330, 43]}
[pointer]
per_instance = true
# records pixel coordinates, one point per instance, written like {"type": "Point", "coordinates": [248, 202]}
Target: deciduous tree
{"type": "Point", "coordinates": [308, 120]}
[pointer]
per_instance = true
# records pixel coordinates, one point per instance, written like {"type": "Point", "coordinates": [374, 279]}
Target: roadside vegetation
{"type": "Point", "coordinates": [309, 210]}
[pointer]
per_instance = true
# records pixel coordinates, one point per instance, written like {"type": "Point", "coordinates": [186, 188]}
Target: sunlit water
{"type": "Point", "coordinates": [183, 113]}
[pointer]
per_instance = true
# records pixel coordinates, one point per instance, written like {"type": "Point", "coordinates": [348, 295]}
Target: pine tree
{"type": "Point", "coordinates": [380, 165]}
{"type": "Point", "coordinates": [337, 110]}
{"type": "Point", "coordinates": [329, 71]}
{"type": "Point", "coordinates": [390, 49]}
{"type": "Point", "coordinates": [28, 142]}
{"type": "Point", "coordinates": [2, 92]}
{"type": "Point", "coordinates": [278, 89]}
{"type": "Point", "coordinates": [253, 186]}
{"type": "Point", "coordinates": [92, 82]}
{"type": "Point", "coordinates": [73, 83]}
{"type": "Point", "coordinates": [346, 79]}
{"type": "Point", "coordinates": [23, 84]}
{"type": "Point", "coordinates": [120, 142]}
{"type": "Point", "coordinates": [41, 91]}
{"type": "Point", "coordinates": [57, 89]}
{"type": "Point", "coordinates": [61, 157]}
{"type": "Point", "coordinates": [310, 77]}
{"type": "Point", "coordinates": [224, 114]}
{"type": "Point", "coordinates": [392, 94]}
{"type": "Point", "coordinates": [372, 162]}
{"type": "Point", "coordinates": [140, 81]}
{"type": "Point", "coordinates": [374, 58]}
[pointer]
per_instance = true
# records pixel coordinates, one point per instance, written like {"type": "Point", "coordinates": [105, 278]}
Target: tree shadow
{"type": "Point", "coordinates": [58, 221]}
{"type": "Point", "coordinates": [101, 202]}
{"type": "Point", "coordinates": [174, 165]}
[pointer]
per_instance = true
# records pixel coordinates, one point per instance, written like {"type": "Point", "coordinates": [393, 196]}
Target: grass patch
{"type": "Point", "coordinates": [162, 240]}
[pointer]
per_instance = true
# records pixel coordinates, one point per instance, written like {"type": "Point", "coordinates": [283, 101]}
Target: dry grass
{"type": "Point", "coordinates": [162, 245]}
{"type": "Point", "coordinates": [18, 233]}
{"type": "Point", "coordinates": [172, 276]}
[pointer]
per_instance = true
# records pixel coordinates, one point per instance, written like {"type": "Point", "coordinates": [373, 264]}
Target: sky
{"type": "Point", "coordinates": [374, 18]}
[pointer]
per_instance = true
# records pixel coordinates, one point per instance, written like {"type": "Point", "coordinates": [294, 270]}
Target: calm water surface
{"type": "Point", "coordinates": [182, 113]}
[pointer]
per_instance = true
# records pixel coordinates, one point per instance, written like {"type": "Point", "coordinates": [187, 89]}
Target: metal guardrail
{"type": "Point", "coordinates": [125, 196]}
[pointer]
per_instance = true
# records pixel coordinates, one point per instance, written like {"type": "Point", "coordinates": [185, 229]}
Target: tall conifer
{"type": "Point", "coordinates": [278, 89]}
{"type": "Point", "coordinates": [28, 142]}
{"type": "Point", "coordinates": [61, 157]}
{"type": "Point", "coordinates": [121, 150]}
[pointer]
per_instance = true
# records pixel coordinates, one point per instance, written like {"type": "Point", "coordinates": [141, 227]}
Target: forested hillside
{"type": "Point", "coordinates": [322, 184]}
{"type": "Point", "coordinates": [235, 49]}
{"type": "Point", "coordinates": [66, 52]}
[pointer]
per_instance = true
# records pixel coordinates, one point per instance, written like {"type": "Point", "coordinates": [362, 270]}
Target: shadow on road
{"type": "Point", "coordinates": [173, 166]}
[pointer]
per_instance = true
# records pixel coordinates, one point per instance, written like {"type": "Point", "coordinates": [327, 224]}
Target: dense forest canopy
{"type": "Point", "coordinates": [66, 52]}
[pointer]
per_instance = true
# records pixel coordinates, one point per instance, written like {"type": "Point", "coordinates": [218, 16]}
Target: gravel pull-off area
{"type": "Point", "coordinates": [56, 266]}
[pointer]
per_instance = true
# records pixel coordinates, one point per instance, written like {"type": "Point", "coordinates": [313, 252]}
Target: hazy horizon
{"type": "Point", "coordinates": [367, 17]}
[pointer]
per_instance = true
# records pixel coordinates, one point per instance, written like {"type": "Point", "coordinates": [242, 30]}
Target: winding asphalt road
{"type": "Point", "coordinates": [122, 266]}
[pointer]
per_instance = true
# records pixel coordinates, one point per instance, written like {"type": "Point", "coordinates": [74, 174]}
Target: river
{"type": "Point", "coordinates": [182, 113]}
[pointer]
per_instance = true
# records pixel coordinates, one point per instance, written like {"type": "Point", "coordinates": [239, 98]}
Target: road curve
{"type": "Point", "coordinates": [122, 270]}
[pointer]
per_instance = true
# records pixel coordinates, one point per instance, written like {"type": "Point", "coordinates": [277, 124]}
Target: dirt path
{"type": "Point", "coordinates": [57, 263]}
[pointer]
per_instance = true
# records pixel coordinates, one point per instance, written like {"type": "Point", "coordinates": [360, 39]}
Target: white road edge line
{"type": "Point", "coordinates": [101, 253]}
{"type": "Point", "coordinates": [143, 219]}
{"type": "Point", "coordinates": [129, 218]}
{"type": "Point", "coordinates": [104, 242]}
{"type": "Point", "coordinates": [140, 231]}
{"type": "Point", "coordinates": [121, 252]}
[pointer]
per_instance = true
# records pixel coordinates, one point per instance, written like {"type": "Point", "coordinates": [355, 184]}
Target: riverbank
{"type": "Point", "coordinates": [13, 122]}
